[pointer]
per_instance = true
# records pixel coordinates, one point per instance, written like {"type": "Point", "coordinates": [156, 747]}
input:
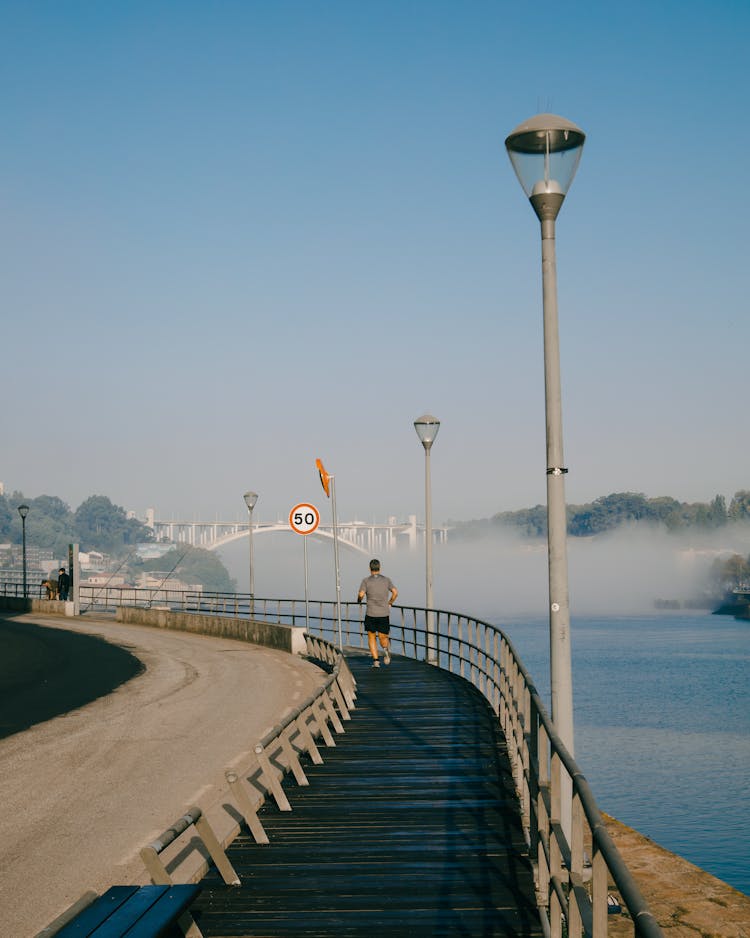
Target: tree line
{"type": "Point", "coordinates": [611, 511]}
{"type": "Point", "coordinates": [96, 524]}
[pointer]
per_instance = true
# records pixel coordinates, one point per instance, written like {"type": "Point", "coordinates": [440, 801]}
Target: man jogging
{"type": "Point", "coordinates": [381, 595]}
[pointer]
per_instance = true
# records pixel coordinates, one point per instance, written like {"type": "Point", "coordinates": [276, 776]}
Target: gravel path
{"type": "Point", "coordinates": [83, 792]}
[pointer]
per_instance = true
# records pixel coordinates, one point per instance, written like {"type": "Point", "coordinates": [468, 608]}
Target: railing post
{"type": "Point", "coordinates": [471, 629]}
{"type": "Point", "coordinates": [331, 711]}
{"type": "Point", "coordinates": [292, 758]}
{"type": "Point", "coordinates": [574, 913]}
{"type": "Point", "coordinates": [599, 877]}
{"type": "Point", "coordinates": [529, 737]}
{"type": "Point", "coordinates": [542, 816]}
{"type": "Point", "coordinates": [321, 723]}
{"type": "Point", "coordinates": [340, 702]}
{"type": "Point", "coordinates": [271, 781]}
{"type": "Point", "coordinates": [249, 813]}
{"type": "Point", "coordinates": [221, 860]}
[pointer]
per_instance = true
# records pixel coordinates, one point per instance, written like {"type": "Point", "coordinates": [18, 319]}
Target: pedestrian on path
{"type": "Point", "coordinates": [63, 584]}
{"type": "Point", "coordinates": [380, 594]}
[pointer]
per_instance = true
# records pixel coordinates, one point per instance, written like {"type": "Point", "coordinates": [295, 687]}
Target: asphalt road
{"type": "Point", "coordinates": [81, 793]}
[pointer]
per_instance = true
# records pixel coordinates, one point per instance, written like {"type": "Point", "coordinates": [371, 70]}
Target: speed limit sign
{"type": "Point", "coordinates": [304, 518]}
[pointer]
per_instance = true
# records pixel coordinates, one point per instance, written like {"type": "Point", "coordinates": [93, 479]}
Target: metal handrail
{"type": "Point", "coordinates": [572, 877]}
{"type": "Point", "coordinates": [15, 590]}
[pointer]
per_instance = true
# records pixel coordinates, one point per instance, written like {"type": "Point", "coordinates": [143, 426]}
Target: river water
{"type": "Point", "coordinates": [662, 726]}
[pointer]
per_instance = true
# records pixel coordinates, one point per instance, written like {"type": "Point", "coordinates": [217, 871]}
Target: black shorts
{"type": "Point", "coordinates": [377, 624]}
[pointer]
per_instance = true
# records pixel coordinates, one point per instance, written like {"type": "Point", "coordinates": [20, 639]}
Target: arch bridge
{"type": "Point", "coordinates": [360, 536]}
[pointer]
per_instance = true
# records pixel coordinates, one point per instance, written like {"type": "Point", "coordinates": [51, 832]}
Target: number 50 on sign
{"type": "Point", "coordinates": [304, 518]}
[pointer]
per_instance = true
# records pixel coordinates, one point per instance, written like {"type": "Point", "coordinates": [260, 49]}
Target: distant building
{"type": "Point", "coordinates": [92, 560]}
{"type": "Point", "coordinates": [103, 579]}
{"type": "Point", "coordinates": [152, 551]}
{"type": "Point", "coordinates": [39, 561]}
{"type": "Point", "coordinates": [155, 580]}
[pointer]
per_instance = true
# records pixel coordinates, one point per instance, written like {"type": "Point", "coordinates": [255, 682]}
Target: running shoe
{"type": "Point", "coordinates": [387, 655]}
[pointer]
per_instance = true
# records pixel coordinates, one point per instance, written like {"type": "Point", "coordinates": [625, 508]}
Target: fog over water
{"type": "Point", "coordinates": [622, 572]}
{"type": "Point", "coordinates": [644, 681]}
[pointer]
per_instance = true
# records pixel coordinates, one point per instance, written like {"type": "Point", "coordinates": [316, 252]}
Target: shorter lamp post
{"type": "Point", "coordinates": [427, 428]}
{"type": "Point", "coordinates": [250, 499]}
{"type": "Point", "coordinates": [23, 510]}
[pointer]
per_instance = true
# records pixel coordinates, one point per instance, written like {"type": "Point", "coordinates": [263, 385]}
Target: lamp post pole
{"type": "Point", "coordinates": [250, 499]}
{"type": "Point", "coordinates": [328, 481]}
{"type": "Point", "coordinates": [545, 152]}
{"type": "Point", "coordinates": [23, 510]}
{"type": "Point", "coordinates": [427, 428]}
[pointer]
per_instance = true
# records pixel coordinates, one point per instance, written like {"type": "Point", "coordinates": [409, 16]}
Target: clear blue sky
{"type": "Point", "coordinates": [238, 236]}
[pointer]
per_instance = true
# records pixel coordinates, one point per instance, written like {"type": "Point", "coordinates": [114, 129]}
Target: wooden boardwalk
{"type": "Point", "coordinates": [410, 827]}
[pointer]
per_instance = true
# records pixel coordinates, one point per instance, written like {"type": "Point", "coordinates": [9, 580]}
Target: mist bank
{"type": "Point", "coordinates": [501, 574]}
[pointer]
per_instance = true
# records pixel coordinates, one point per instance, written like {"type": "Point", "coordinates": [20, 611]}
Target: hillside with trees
{"type": "Point", "coordinates": [192, 565]}
{"type": "Point", "coordinates": [99, 525]}
{"type": "Point", "coordinates": [96, 524]}
{"type": "Point", "coordinates": [610, 512]}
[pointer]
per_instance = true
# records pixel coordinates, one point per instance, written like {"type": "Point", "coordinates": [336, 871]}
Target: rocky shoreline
{"type": "Point", "coordinates": [686, 901]}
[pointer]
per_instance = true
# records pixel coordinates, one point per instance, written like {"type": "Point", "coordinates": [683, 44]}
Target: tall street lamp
{"type": "Point", "coordinates": [23, 510]}
{"type": "Point", "coordinates": [250, 499]}
{"type": "Point", "coordinates": [545, 152]}
{"type": "Point", "coordinates": [427, 428]}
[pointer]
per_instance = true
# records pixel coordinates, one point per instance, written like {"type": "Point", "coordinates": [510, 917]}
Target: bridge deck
{"type": "Point", "coordinates": [410, 826]}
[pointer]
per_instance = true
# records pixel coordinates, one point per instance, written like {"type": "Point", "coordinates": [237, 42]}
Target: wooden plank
{"type": "Point", "coordinates": [410, 825]}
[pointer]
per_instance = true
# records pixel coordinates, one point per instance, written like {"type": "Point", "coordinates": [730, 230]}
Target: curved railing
{"type": "Point", "coordinates": [576, 862]}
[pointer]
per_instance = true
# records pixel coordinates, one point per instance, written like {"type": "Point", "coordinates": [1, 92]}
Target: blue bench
{"type": "Point", "coordinates": [133, 911]}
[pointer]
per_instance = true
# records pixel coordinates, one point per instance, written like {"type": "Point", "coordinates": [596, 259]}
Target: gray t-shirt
{"type": "Point", "coordinates": [377, 589]}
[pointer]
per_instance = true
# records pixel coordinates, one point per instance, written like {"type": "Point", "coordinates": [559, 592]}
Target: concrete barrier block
{"type": "Point", "coordinates": [269, 634]}
{"type": "Point", "coordinates": [299, 645]}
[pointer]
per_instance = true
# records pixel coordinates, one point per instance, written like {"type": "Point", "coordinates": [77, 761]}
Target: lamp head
{"type": "Point", "coordinates": [427, 428]}
{"type": "Point", "coordinates": [545, 151]}
{"type": "Point", "coordinates": [250, 499]}
{"type": "Point", "coordinates": [23, 510]}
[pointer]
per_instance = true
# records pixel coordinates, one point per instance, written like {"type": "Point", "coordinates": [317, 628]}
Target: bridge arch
{"type": "Point", "coordinates": [322, 535]}
{"type": "Point", "coordinates": [361, 537]}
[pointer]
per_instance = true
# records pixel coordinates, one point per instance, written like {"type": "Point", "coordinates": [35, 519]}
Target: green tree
{"type": "Point", "coordinates": [50, 523]}
{"type": "Point", "coordinates": [667, 511]}
{"type": "Point", "coordinates": [730, 573]}
{"type": "Point", "coordinates": [739, 507]}
{"type": "Point", "coordinates": [193, 565]}
{"type": "Point", "coordinates": [608, 512]}
{"type": "Point", "coordinates": [100, 525]}
{"type": "Point", "coordinates": [718, 513]}
{"type": "Point", "coordinates": [532, 522]}
{"type": "Point", "coordinates": [6, 521]}
{"type": "Point", "coordinates": [52, 506]}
